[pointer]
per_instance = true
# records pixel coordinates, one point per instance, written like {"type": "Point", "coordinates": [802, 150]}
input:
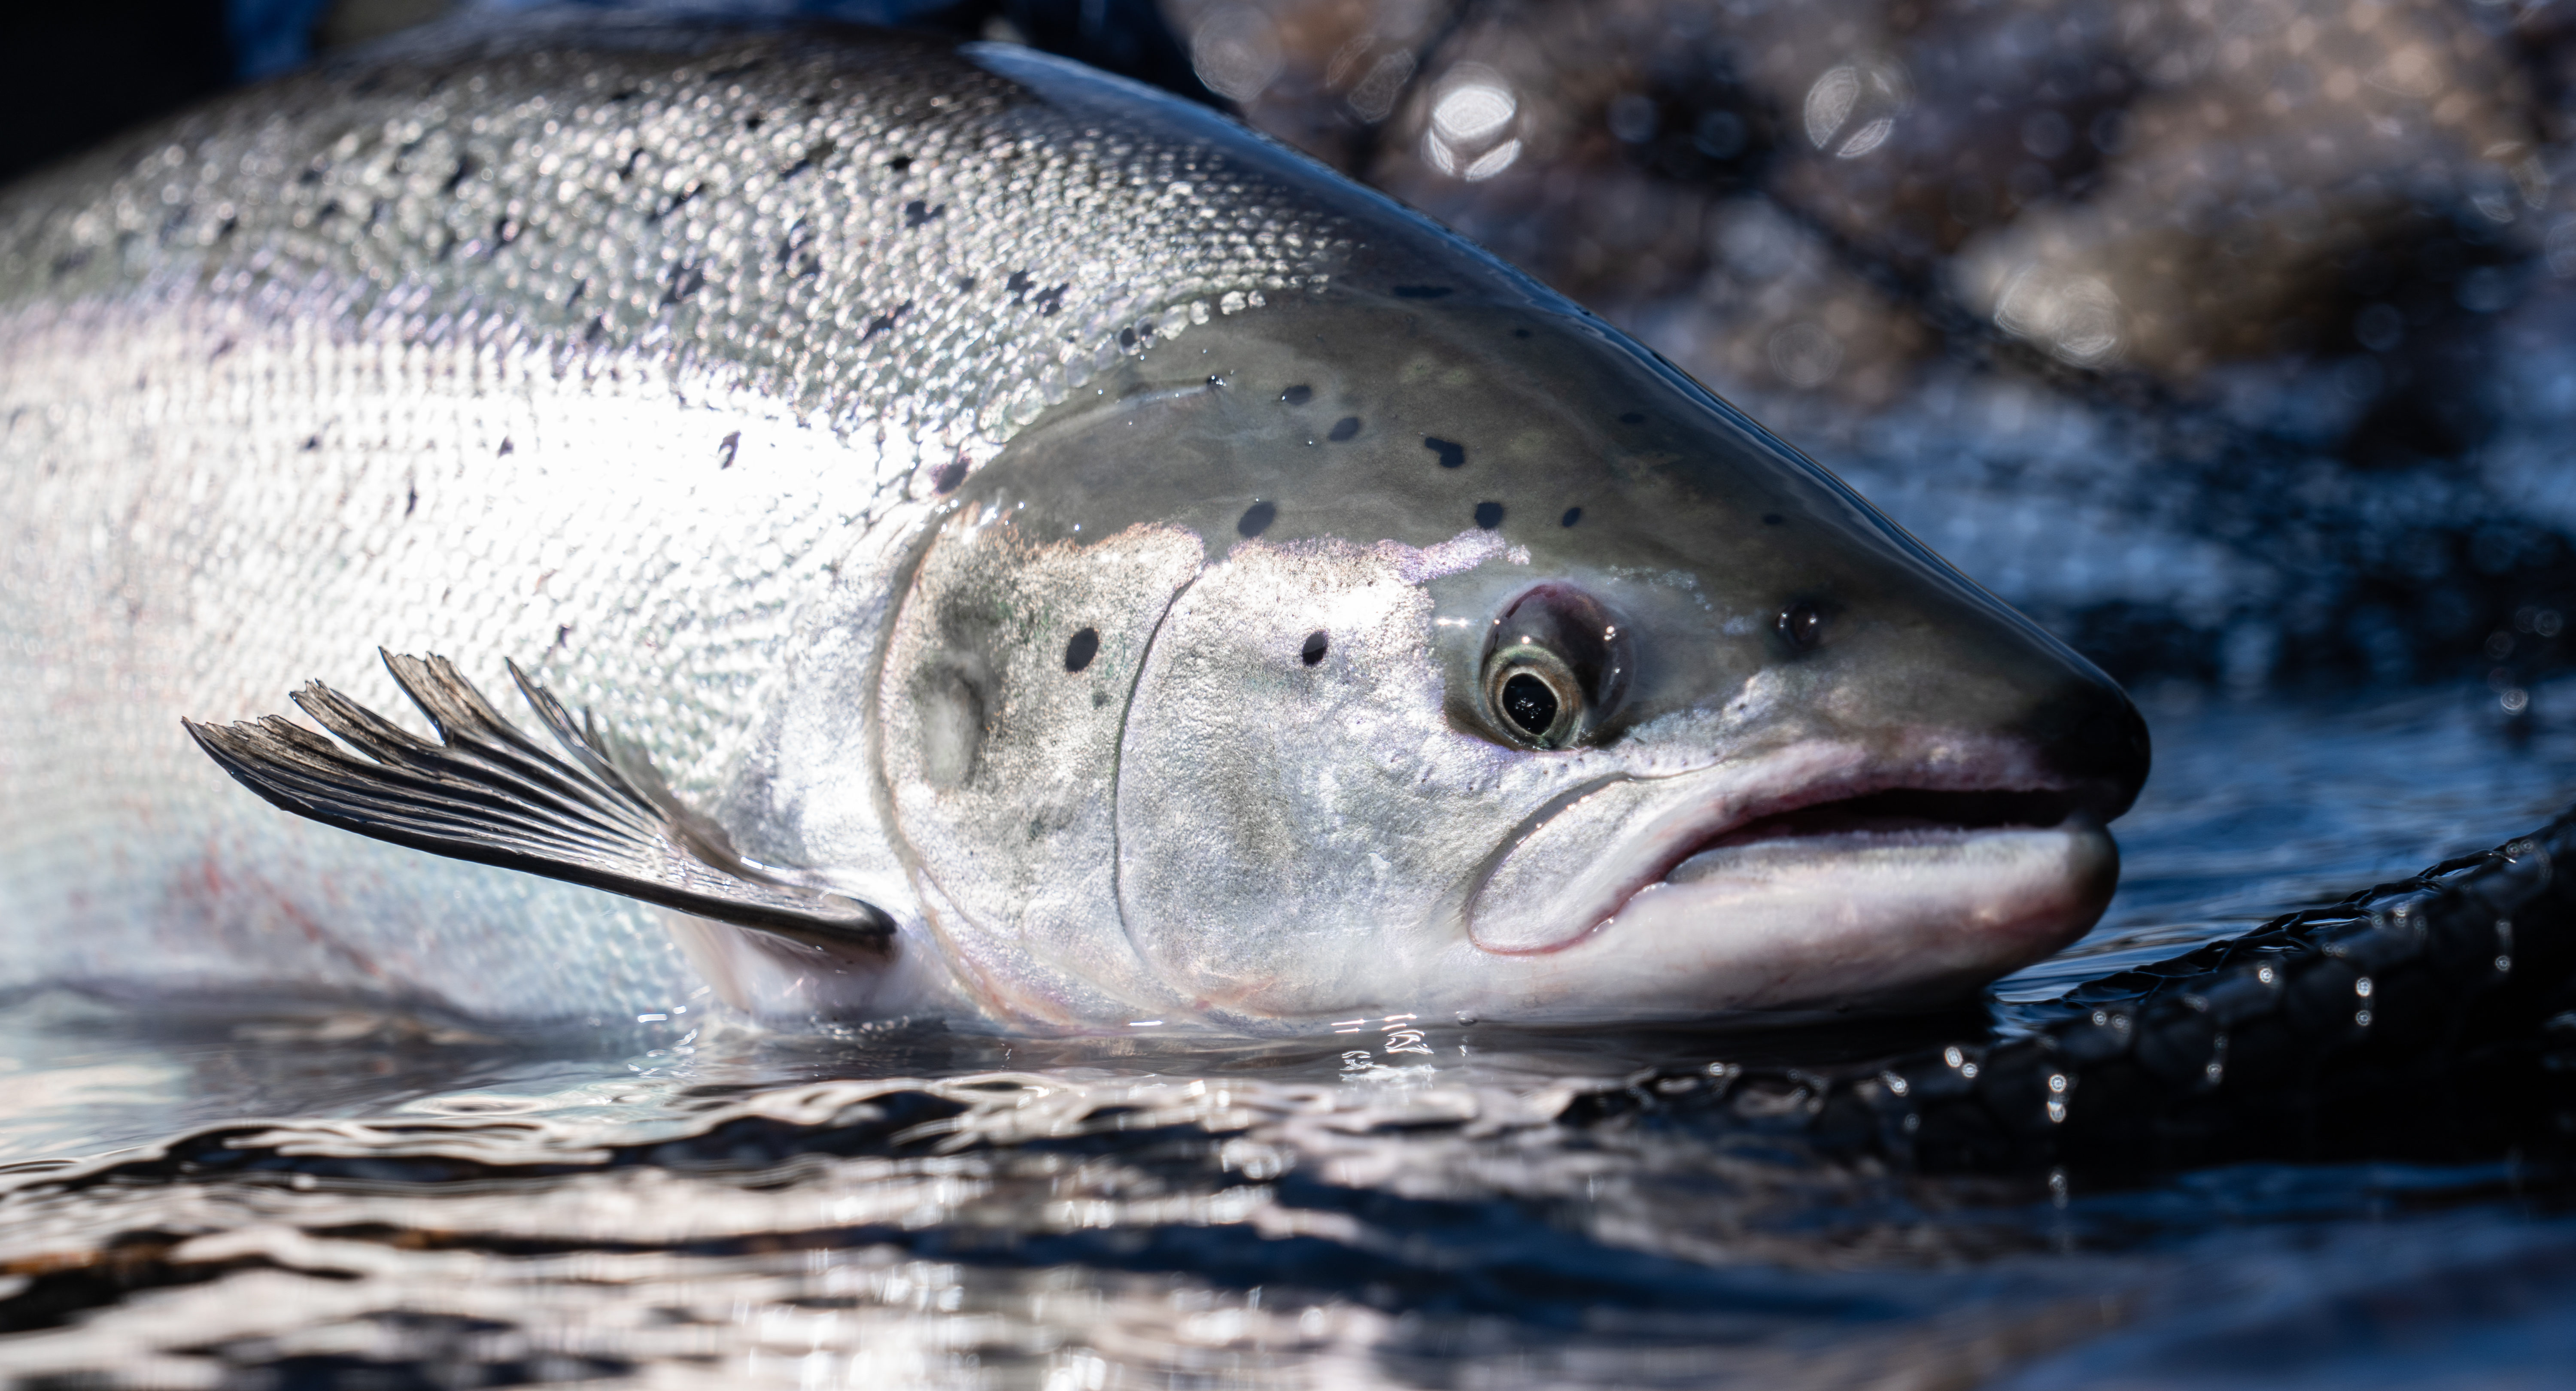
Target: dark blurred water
{"type": "Point", "coordinates": [342, 1200]}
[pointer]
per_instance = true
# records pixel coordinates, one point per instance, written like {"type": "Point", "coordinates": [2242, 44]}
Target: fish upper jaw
{"type": "Point", "coordinates": [1973, 842]}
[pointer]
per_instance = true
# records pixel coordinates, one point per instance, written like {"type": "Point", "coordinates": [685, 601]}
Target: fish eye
{"type": "Point", "coordinates": [1556, 663]}
{"type": "Point", "coordinates": [1533, 697]}
{"type": "Point", "coordinates": [1801, 625]}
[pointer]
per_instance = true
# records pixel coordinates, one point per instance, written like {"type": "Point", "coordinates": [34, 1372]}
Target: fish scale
{"type": "Point", "coordinates": [791, 399]}
{"type": "Point", "coordinates": [429, 284]}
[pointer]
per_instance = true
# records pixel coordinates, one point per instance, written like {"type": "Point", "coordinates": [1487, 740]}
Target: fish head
{"type": "Point", "coordinates": [1467, 657]}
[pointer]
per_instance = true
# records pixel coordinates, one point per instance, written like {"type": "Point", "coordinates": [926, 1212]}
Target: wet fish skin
{"type": "Point", "coordinates": [778, 397]}
{"type": "Point", "coordinates": [384, 283]}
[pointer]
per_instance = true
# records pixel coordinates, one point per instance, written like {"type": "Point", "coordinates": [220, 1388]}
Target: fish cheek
{"type": "Point", "coordinates": [1287, 831]}
{"type": "Point", "coordinates": [999, 755]}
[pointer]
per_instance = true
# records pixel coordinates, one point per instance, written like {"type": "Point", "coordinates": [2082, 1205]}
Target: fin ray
{"type": "Point", "coordinates": [598, 815]}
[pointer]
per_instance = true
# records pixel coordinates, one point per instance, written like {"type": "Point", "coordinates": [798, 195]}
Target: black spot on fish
{"type": "Point", "coordinates": [1489, 515]}
{"type": "Point", "coordinates": [1317, 643]}
{"type": "Point", "coordinates": [411, 497]}
{"type": "Point", "coordinates": [622, 94]}
{"type": "Point", "coordinates": [1451, 455]}
{"type": "Point", "coordinates": [1298, 395]}
{"type": "Point", "coordinates": [686, 280]}
{"type": "Point", "coordinates": [506, 448]}
{"type": "Point", "coordinates": [1018, 285]}
{"type": "Point", "coordinates": [949, 475]}
{"type": "Point", "coordinates": [1773, 519]}
{"type": "Point", "coordinates": [814, 155]}
{"type": "Point", "coordinates": [627, 170]}
{"type": "Point", "coordinates": [737, 70]}
{"type": "Point", "coordinates": [1572, 515]}
{"type": "Point", "coordinates": [598, 329]}
{"type": "Point", "coordinates": [918, 212]}
{"type": "Point", "coordinates": [1256, 519]}
{"type": "Point", "coordinates": [1049, 301]}
{"type": "Point", "coordinates": [1343, 429]}
{"type": "Point", "coordinates": [885, 321]}
{"type": "Point", "coordinates": [899, 163]}
{"type": "Point", "coordinates": [1633, 418]}
{"type": "Point", "coordinates": [1079, 652]}
{"type": "Point", "coordinates": [1801, 625]}
{"type": "Point", "coordinates": [563, 637]}
{"type": "Point", "coordinates": [464, 171]}
{"type": "Point", "coordinates": [678, 201]}
{"type": "Point", "coordinates": [1423, 291]}
{"type": "Point", "coordinates": [227, 227]}
{"type": "Point", "coordinates": [220, 349]}
{"type": "Point", "coordinates": [725, 451]}
{"type": "Point", "coordinates": [754, 121]}
{"type": "Point", "coordinates": [311, 442]}
{"type": "Point", "coordinates": [965, 284]}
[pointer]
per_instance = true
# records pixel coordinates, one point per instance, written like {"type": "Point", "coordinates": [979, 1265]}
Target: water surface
{"type": "Point", "coordinates": [323, 1199]}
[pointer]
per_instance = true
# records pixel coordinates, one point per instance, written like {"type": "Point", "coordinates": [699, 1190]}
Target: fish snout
{"type": "Point", "coordinates": [2090, 739]}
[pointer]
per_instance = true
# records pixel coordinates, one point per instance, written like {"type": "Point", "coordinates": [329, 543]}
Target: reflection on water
{"type": "Point", "coordinates": [339, 1200]}
{"type": "Point", "coordinates": [2257, 807]}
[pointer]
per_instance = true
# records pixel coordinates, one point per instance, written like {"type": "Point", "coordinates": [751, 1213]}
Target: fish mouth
{"type": "Point", "coordinates": [1892, 817]}
{"type": "Point", "coordinates": [1837, 876]}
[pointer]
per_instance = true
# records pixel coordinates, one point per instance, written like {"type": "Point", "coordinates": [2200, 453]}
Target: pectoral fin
{"type": "Point", "coordinates": [490, 794]}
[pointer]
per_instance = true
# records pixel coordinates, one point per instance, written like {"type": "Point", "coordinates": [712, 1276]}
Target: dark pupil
{"type": "Point", "coordinates": [1801, 625]}
{"type": "Point", "coordinates": [1530, 703]}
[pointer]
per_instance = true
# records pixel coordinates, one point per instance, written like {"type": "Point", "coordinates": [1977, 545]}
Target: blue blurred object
{"type": "Point", "coordinates": [1128, 37]}
{"type": "Point", "coordinates": [270, 36]}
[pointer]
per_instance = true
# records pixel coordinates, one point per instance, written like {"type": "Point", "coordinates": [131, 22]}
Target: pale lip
{"type": "Point", "coordinates": [1575, 870]}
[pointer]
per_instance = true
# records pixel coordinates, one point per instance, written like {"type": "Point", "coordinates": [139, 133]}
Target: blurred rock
{"type": "Point", "coordinates": [2236, 341]}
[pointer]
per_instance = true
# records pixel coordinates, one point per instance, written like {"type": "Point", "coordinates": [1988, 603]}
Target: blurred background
{"type": "Point", "coordinates": [2234, 341]}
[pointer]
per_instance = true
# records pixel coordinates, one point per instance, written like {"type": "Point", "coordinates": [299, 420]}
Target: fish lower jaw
{"type": "Point", "coordinates": [1769, 858]}
{"type": "Point", "coordinates": [1879, 820]}
{"type": "Point", "coordinates": [1857, 919]}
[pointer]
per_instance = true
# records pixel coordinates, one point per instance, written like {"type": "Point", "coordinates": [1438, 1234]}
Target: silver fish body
{"type": "Point", "coordinates": [1164, 579]}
